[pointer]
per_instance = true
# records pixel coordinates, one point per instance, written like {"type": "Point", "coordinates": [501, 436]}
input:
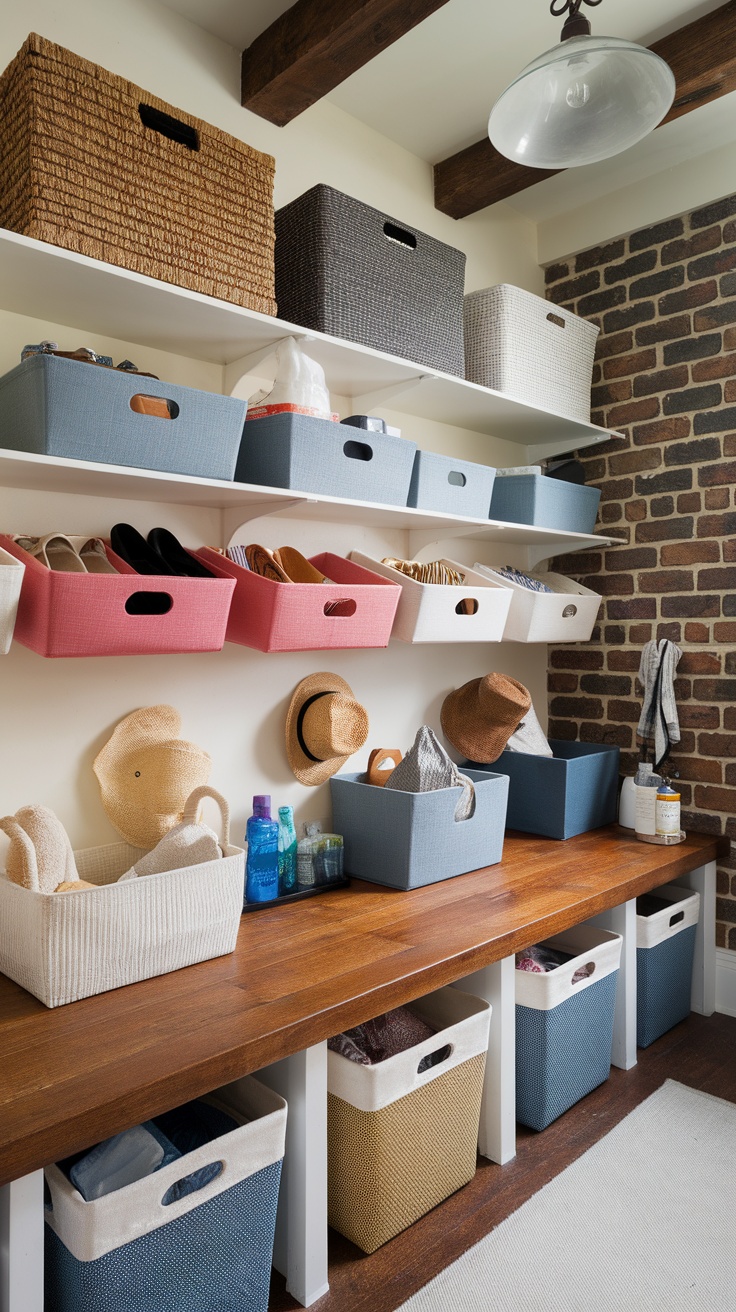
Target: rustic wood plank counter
{"type": "Point", "coordinates": [74, 1075]}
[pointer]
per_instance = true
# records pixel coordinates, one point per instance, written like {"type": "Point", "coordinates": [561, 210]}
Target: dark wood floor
{"type": "Point", "coordinates": [700, 1052]}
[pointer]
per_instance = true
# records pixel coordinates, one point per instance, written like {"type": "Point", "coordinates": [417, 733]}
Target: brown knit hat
{"type": "Point", "coordinates": [479, 718]}
{"type": "Point", "coordinates": [324, 726]}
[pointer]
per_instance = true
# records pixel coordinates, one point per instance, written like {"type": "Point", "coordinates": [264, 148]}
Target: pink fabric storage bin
{"type": "Point", "coordinates": [87, 614]}
{"type": "Point", "coordinates": [274, 616]}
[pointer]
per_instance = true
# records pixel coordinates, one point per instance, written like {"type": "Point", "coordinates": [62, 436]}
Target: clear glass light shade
{"type": "Point", "coordinates": [584, 100]}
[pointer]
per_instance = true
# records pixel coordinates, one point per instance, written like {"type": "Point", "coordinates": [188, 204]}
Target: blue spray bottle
{"type": "Point", "coordinates": [262, 860]}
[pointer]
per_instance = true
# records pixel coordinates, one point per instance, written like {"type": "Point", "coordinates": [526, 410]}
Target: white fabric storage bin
{"type": "Point", "coordinates": [528, 348]}
{"type": "Point", "coordinates": [432, 612]}
{"type": "Point", "coordinates": [136, 1251]}
{"type": "Point", "coordinates": [66, 946]}
{"type": "Point", "coordinates": [400, 1140]}
{"type": "Point", "coordinates": [566, 614]}
{"type": "Point", "coordinates": [11, 578]}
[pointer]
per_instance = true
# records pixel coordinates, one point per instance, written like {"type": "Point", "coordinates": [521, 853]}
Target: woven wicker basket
{"type": "Point", "coordinates": [399, 1142]}
{"type": "Point", "coordinates": [522, 345]}
{"type": "Point", "coordinates": [90, 162]}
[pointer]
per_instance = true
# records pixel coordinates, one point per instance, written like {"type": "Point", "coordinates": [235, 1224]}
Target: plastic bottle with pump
{"type": "Point", "coordinates": [262, 860]}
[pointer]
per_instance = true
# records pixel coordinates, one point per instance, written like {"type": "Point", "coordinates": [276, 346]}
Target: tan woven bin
{"type": "Point", "coordinates": [92, 163]}
{"type": "Point", "coordinates": [399, 1142]}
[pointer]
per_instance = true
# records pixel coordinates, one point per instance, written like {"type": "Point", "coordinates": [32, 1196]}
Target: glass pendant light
{"type": "Point", "coordinates": [586, 99]}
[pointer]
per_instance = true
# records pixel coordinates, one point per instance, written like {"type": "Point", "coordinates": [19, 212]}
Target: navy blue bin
{"type": "Point", "coordinates": [123, 1251]}
{"type": "Point", "coordinates": [665, 948]}
{"type": "Point", "coordinates": [564, 1031]}
{"type": "Point", "coordinates": [559, 796]}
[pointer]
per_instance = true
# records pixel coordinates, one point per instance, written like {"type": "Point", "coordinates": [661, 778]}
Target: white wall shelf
{"type": "Point", "coordinates": [50, 283]}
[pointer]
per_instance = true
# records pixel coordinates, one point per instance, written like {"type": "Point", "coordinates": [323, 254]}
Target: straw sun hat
{"type": "Point", "coordinates": [480, 717]}
{"type": "Point", "coordinates": [146, 774]}
{"type": "Point", "coordinates": [324, 726]}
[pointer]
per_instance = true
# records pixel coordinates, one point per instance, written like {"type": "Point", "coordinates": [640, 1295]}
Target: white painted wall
{"type": "Point", "coordinates": [55, 715]}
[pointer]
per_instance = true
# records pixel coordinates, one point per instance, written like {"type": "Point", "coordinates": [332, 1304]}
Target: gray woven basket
{"type": "Point", "coordinates": [346, 269]}
{"type": "Point", "coordinates": [520, 344]}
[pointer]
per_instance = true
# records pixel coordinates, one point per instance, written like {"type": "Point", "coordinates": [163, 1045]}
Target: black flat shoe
{"type": "Point", "coordinates": [176, 557]}
{"type": "Point", "coordinates": [131, 546]}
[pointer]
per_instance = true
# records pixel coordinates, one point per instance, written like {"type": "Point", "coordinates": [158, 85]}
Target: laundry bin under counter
{"type": "Point", "coordinates": [564, 1030]}
{"type": "Point", "coordinates": [666, 925]}
{"type": "Point", "coordinates": [135, 1251]}
{"type": "Point", "coordinates": [401, 1139]}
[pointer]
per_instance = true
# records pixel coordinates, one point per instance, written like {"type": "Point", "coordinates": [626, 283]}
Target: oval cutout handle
{"type": "Point", "coordinates": [589, 968]}
{"type": "Point", "coordinates": [342, 609]}
{"type": "Point", "coordinates": [456, 478]}
{"type": "Point", "coordinates": [400, 235]}
{"type": "Point", "coordinates": [678, 916]}
{"type": "Point", "coordinates": [158, 407]}
{"type": "Point", "coordinates": [433, 1059]}
{"type": "Point", "coordinates": [149, 603]}
{"type": "Point", "coordinates": [357, 450]}
{"type": "Point", "coordinates": [468, 606]}
{"type": "Point", "coordinates": [569, 611]}
{"type": "Point", "coordinates": [190, 1184]}
{"type": "Point", "coordinates": [168, 126]}
{"type": "Point", "coordinates": [556, 319]}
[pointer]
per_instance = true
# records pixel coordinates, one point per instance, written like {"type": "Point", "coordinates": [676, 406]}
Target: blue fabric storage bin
{"type": "Point", "coordinates": [457, 487]}
{"type": "Point", "coordinates": [559, 796]}
{"type": "Point", "coordinates": [665, 948]}
{"type": "Point", "coordinates": [546, 502]}
{"type": "Point", "coordinates": [213, 1256]}
{"type": "Point", "coordinates": [408, 840]}
{"type": "Point", "coordinates": [317, 455]}
{"type": "Point", "coordinates": [563, 1049]}
{"type": "Point", "coordinates": [57, 407]}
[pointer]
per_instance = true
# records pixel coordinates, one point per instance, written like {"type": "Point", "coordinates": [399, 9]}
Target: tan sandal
{"type": "Point", "coordinates": [94, 557]}
{"type": "Point", "coordinates": [298, 568]}
{"type": "Point", "coordinates": [55, 551]}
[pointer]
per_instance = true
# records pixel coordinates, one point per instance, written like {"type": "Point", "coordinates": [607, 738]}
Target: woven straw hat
{"type": "Point", "coordinates": [146, 774]}
{"type": "Point", "coordinates": [324, 726]}
{"type": "Point", "coordinates": [479, 718]}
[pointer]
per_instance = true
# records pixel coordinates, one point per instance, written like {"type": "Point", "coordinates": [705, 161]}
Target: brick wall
{"type": "Point", "coordinates": [665, 375]}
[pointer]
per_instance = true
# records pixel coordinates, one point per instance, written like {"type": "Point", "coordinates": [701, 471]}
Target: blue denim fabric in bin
{"type": "Point", "coordinates": [121, 1160]}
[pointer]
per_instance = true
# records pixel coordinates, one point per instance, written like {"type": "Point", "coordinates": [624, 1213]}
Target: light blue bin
{"type": "Point", "coordinates": [455, 487]}
{"type": "Point", "coordinates": [56, 407]}
{"type": "Point", "coordinates": [546, 502]}
{"type": "Point", "coordinates": [407, 840]}
{"type": "Point", "coordinates": [665, 949]}
{"type": "Point", "coordinates": [559, 796]}
{"type": "Point", "coordinates": [213, 1256]}
{"type": "Point", "coordinates": [317, 455]}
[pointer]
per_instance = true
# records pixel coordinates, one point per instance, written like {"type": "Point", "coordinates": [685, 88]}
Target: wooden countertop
{"type": "Point", "coordinates": [76, 1074]}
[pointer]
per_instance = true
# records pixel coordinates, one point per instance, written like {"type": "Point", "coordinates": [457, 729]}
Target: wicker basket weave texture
{"type": "Point", "coordinates": [388, 1168]}
{"type": "Point", "coordinates": [339, 271]}
{"type": "Point", "coordinates": [79, 169]}
{"type": "Point", "coordinates": [520, 344]}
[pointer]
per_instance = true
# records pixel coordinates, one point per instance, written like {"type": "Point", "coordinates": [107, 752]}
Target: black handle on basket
{"type": "Point", "coordinates": [569, 611]}
{"type": "Point", "coordinates": [433, 1059]}
{"type": "Point", "coordinates": [400, 235]}
{"type": "Point", "coordinates": [556, 319]}
{"type": "Point", "coordinates": [191, 1184]}
{"type": "Point", "coordinates": [678, 916]}
{"type": "Point", "coordinates": [358, 451]}
{"type": "Point", "coordinates": [168, 126]}
{"type": "Point", "coordinates": [456, 478]}
{"type": "Point", "coordinates": [342, 609]}
{"type": "Point", "coordinates": [149, 603]}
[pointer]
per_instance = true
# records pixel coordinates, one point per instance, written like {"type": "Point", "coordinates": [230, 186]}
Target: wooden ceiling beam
{"type": "Point", "coordinates": [702, 56]}
{"type": "Point", "coordinates": [312, 47]}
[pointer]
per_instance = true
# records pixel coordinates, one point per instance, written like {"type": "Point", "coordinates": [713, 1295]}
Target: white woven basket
{"type": "Point", "coordinates": [11, 577]}
{"type": "Point", "coordinates": [520, 344]}
{"type": "Point", "coordinates": [66, 946]}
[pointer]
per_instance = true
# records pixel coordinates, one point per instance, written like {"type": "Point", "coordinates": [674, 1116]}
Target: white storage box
{"type": "Point", "coordinates": [567, 614]}
{"type": "Point", "coordinates": [401, 1139]}
{"type": "Point", "coordinates": [142, 1248]}
{"type": "Point", "coordinates": [11, 578]}
{"type": "Point", "coordinates": [520, 344]}
{"type": "Point", "coordinates": [435, 612]}
{"type": "Point", "coordinates": [65, 946]}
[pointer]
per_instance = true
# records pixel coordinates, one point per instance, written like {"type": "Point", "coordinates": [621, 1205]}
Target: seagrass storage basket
{"type": "Point", "coordinates": [91, 162]}
{"type": "Point", "coordinates": [666, 925]}
{"type": "Point", "coordinates": [170, 1240]}
{"type": "Point", "coordinates": [401, 1139]}
{"type": "Point", "coordinates": [522, 345]}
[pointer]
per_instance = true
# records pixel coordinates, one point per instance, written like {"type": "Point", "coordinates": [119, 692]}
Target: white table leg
{"type": "Point", "coordinates": [300, 1249]}
{"type": "Point", "coordinates": [703, 997]}
{"type": "Point", "coordinates": [21, 1244]}
{"type": "Point", "coordinates": [497, 1133]}
{"type": "Point", "coordinates": [622, 920]}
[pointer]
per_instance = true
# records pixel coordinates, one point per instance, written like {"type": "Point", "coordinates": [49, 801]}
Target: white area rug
{"type": "Point", "coordinates": [645, 1221]}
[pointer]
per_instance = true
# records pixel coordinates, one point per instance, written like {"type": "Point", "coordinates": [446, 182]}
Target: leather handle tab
{"type": "Point", "coordinates": [377, 776]}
